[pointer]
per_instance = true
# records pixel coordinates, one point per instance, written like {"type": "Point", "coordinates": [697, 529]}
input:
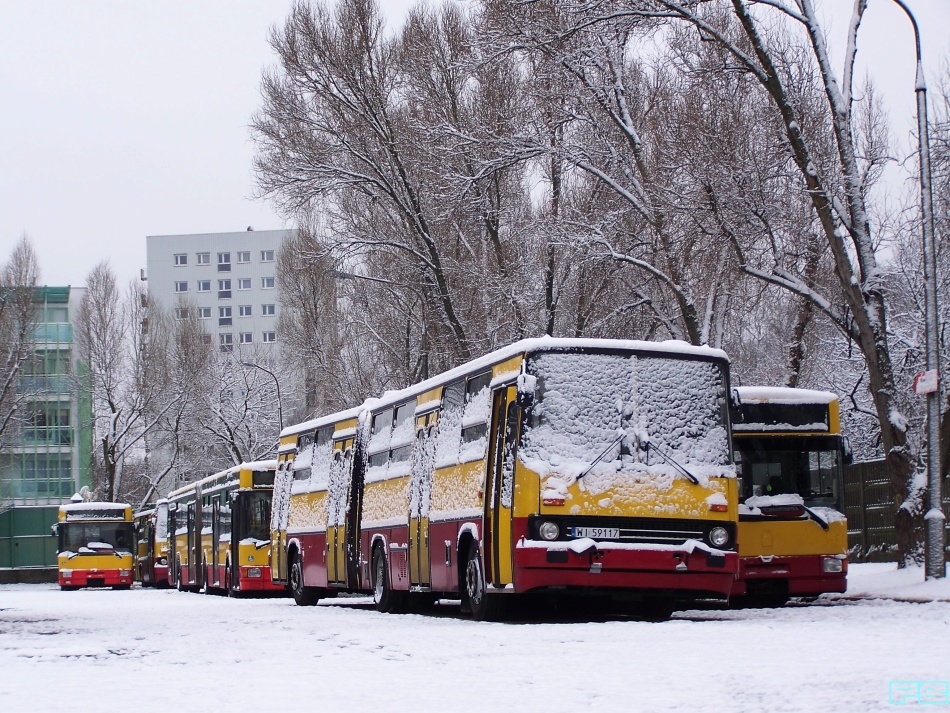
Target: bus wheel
{"type": "Point", "coordinates": [482, 605]}
{"type": "Point", "coordinates": [385, 598]}
{"type": "Point", "coordinates": [206, 587]}
{"type": "Point", "coordinates": [303, 596]}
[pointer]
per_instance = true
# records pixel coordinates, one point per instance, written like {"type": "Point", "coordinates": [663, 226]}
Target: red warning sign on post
{"type": "Point", "coordinates": [926, 382]}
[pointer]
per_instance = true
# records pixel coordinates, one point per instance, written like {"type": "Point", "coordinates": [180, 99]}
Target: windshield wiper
{"type": "Point", "coordinates": [603, 453]}
{"type": "Point", "coordinates": [692, 478]}
{"type": "Point", "coordinates": [816, 517]}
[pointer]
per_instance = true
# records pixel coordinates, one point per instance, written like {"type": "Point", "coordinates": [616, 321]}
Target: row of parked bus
{"type": "Point", "coordinates": [619, 471]}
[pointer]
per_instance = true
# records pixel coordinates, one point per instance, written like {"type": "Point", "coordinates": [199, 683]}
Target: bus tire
{"type": "Point", "coordinates": [384, 597]}
{"type": "Point", "coordinates": [68, 587]}
{"type": "Point", "coordinates": [179, 582]}
{"type": "Point", "coordinates": [206, 587]}
{"type": "Point", "coordinates": [482, 605]}
{"type": "Point", "coordinates": [303, 595]}
{"type": "Point", "coordinates": [122, 587]}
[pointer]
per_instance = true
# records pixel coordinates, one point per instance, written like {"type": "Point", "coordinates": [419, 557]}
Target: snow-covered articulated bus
{"type": "Point", "coordinates": [219, 531]}
{"type": "Point", "coordinates": [552, 466]}
{"type": "Point", "coordinates": [94, 546]}
{"type": "Point", "coordinates": [793, 537]}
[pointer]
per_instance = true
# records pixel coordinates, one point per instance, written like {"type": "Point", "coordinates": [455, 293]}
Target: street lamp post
{"type": "Point", "coordinates": [280, 413]}
{"type": "Point", "coordinates": [935, 518]}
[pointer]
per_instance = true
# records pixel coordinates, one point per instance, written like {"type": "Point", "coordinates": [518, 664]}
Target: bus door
{"type": "Point", "coordinates": [499, 490]}
{"type": "Point", "coordinates": [192, 544]}
{"type": "Point", "coordinates": [420, 495]}
{"type": "Point", "coordinates": [278, 544]}
{"type": "Point", "coordinates": [215, 535]}
{"type": "Point", "coordinates": [336, 512]}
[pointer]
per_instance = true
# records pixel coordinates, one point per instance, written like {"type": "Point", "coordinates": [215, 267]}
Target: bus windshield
{"type": "Point", "coordinates": [254, 516]}
{"type": "Point", "coordinates": [808, 467]}
{"type": "Point", "coordinates": [585, 402]}
{"type": "Point", "coordinates": [93, 536]}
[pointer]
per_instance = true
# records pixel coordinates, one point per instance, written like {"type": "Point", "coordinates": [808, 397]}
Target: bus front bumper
{"type": "Point", "coordinates": [95, 577]}
{"type": "Point", "coordinates": [690, 571]}
{"type": "Point", "coordinates": [257, 579]}
{"type": "Point", "coordinates": [805, 575]}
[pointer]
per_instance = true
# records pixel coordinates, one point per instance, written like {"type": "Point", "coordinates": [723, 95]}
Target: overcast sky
{"type": "Point", "coordinates": [122, 119]}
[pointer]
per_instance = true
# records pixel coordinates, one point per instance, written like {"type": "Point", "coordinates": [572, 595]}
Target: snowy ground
{"type": "Point", "coordinates": [148, 650]}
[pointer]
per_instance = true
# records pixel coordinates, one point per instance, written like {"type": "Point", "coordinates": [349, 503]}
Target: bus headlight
{"type": "Point", "coordinates": [549, 531]}
{"type": "Point", "coordinates": [65, 573]}
{"type": "Point", "coordinates": [123, 573]}
{"type": "Point", "coordinates": [253, 572]}
{"type": "Point", "coordinates": [832, 565]}
{"type": "Point", "coordinates": [718, 536]}
{"type": "Point", "coordinates": [163, 561]}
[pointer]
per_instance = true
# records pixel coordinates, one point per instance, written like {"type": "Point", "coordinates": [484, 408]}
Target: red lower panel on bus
{"type": "Point", "coordinates": [257, 579]}
{"type": "Point", "coordinates": [698, 572]}
{"type": "Point", "coordinates": [805, 574]}
{"type": "Point", "coordinates": [96, 578]}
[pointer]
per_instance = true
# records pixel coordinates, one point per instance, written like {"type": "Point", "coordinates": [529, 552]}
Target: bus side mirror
{"type": "Point", "coordinates": [526, 388]}
{"type": "Point", "coordinates": [54, 530]}
{"type": "Point", "coordinates": [847, 455]}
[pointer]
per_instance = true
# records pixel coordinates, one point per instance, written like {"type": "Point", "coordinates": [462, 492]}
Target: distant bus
{"type": "Point", "coordinates": [793, 535]}
{"type": "Point", "coordinates": [219, 539]}
{"type": "Point", "coordinates": [151, 546]}
{"type": "Point", "coordinates": [596, 469]}
{"type": "Point", "coordinates": [94, 548]}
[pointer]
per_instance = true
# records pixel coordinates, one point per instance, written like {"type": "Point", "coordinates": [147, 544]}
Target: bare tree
{"type": "Point", "coordinates": [18, 281]}
{"type": "Point", "coordinates": [118, 338]}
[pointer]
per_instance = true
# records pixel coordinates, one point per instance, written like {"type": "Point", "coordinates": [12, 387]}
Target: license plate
{"type": "Point", "coordinates": [598, 533]}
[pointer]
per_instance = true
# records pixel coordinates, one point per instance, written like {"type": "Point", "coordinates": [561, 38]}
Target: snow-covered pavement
{"type": "Point", "coordinates": [148, 650]}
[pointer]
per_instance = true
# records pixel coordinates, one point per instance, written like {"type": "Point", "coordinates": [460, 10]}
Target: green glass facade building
{"type": "Point", "coordinates": [47, 455]}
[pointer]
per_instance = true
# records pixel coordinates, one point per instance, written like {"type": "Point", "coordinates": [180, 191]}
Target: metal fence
{"type": "Point", "coordinates": [870, 510]}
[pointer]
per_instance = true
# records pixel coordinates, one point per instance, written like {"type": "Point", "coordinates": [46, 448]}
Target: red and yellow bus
{"type": "Point", "coordinates": [220, 531]}
{"type": "Point", "coordinates": [793, 535]}
{"type": "Point", "coordinates": [558, 467]}
{"type": "Point", "coordinates": [95, 543]}
{"type": "Point", "coordinates": [151, 545]}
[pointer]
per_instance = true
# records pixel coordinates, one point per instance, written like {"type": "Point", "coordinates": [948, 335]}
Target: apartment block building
{"type": "Point", "coordinates": [229, 278]}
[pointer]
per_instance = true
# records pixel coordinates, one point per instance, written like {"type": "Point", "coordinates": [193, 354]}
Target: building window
{"type": "Point", "coordinates": [247, 338]}
{"type": "Point", "coordinates": [270, 336]}
{"type": "Point", "coordinates": [267, 310]}
{"type": "Point", "coordinates": [244, 311]}
{"type": "Point", "coordinates": [267, 256]}
{"type": "Point", "coordinates": [224, 262]}
{"type": "Point", "coordinates": [224, 316]}
{"type": "Point", "coordinates": [204, 285]}
{"type": "Point", "coordinates": [244, 256]}
{"type": "Point", "coordinates": [227, 341]}
{"type": "Point", "coordinates": [181, 313]}
{"type": "Point", "coordinates": [204, 313]}
{"type": "Point", "coordinates": [181, 286]}
{"type": "Point", "coordinates": [224, 289]}
{"type": "Point", "coordinates": [181, 259]}
{"type": "Point", "coordinates": [244, 283]}
{"type": "Point", "coordinates": [203, 258]}
{"type": "Point", "coordinates": [267, 283]}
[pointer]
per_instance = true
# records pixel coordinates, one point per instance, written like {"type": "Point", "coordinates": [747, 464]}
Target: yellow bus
{"type": "Point", "coordinates": [151, 545]}
{"type": "Point", "coordinates": [557, 467]}
{"type": "Point", "coordinates": [95, 542]}
{"type": "Point", "coordinates": [793, 535]}
{"type": "Point", "coordinates": [219, 531]}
